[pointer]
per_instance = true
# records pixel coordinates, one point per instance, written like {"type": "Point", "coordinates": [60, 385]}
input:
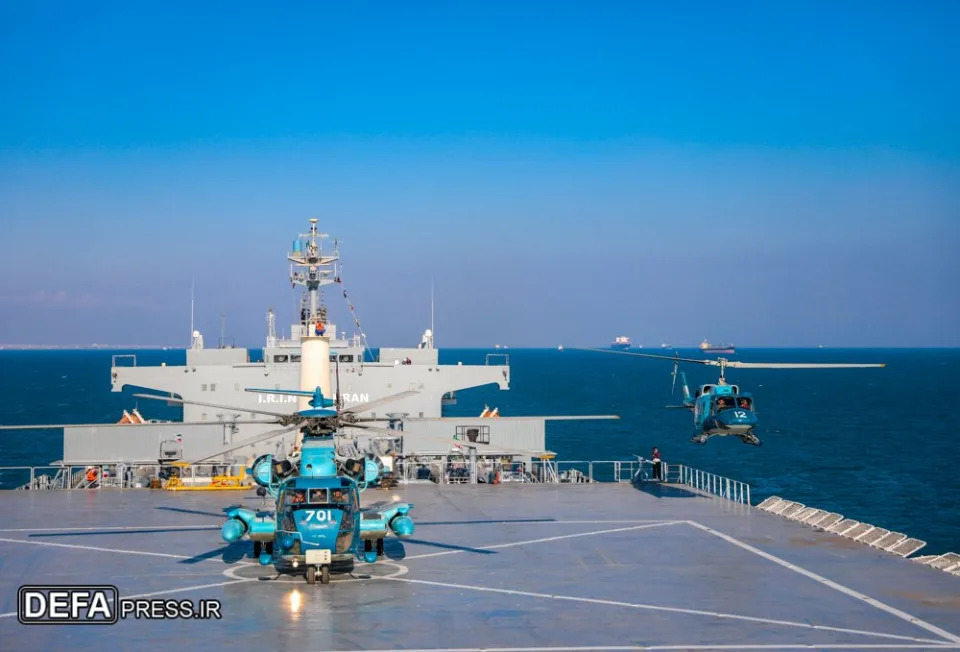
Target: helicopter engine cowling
{"type": "Point", "coordinates": [242, 521]}
{"type": "Point", "coordinates": [233, 530]}
{"type": "Point", "coordinates": [402, 525]}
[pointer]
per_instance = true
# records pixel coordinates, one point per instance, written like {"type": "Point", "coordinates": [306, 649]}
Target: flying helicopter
{"type": "Point", "coordinates": [720, 409]}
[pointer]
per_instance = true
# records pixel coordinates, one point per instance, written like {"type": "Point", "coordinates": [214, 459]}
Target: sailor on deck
{"type": "Point", "coordinates": [655, 459]}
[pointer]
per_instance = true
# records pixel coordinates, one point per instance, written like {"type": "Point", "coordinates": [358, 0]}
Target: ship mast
{"type": "Point", "coordinates": [312, 269]}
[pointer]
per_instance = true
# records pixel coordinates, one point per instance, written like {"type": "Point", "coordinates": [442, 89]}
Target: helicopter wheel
{"type": "Point", "coordinates": [379, 547]}
{"type": "Point", "coordinates": [311, 574]}
{"type": "Point", "coordinates": [324, 574]}
{"type": "Point", "coordinates": [257, 547]}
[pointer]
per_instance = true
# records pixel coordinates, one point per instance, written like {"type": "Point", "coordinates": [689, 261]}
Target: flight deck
{"type": "Point", "coordinates": [494, 567]}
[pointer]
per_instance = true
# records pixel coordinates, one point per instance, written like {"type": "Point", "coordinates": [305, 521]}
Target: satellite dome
{"type": "Point", "coordinates": [428, 333]}
{"type": "Point", "coordinates": [196, 333]}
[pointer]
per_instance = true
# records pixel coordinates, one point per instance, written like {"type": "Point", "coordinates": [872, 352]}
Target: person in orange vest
{"type": "Point", "coordinates": [91, 476]}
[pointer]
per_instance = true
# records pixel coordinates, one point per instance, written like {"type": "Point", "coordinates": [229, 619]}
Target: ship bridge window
{"type": "Point", "coordinates": [280, 358]}
{"type": "Point", "coordinates": [346, 357]}
{"type": "Point", "coordinates": [294, 358]}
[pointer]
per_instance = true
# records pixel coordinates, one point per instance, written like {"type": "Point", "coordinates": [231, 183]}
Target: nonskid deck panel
{"type": "Point", "coordinates": [494, 567]}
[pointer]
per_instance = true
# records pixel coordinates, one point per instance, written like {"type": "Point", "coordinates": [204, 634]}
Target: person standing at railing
{"type": "Point", "coordinates": [655, 460]}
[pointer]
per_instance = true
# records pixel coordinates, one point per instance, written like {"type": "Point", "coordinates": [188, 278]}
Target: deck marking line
{"type": "Point", "coordinates": [761, 646]}
{"type": "Point", "coordinates": [651, 607]}
{"type": "Point", "coordinates": [189, 588]}
{"type": "Point", "coordinates": [120, 550]}
{"type": "Point", "coordinates": [903, 615]}
{"type": "Point", "coordinates": [558, 522]}
{"type": "Point", "coordinates": [401, 570]}
{"type": "Point", "coordinates": [79, 547]}
{"type": "Point", "coordinates": [118, 528]}
{"type": "Point", "coordinates": [545, 539]}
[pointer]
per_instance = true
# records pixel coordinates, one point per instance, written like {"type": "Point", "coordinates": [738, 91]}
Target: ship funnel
{"type": "Point", "coordinates": [314, 367]}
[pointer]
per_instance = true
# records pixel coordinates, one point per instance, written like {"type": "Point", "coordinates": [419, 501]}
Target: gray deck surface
{"type": "Point", "coordinates": [494, 567]}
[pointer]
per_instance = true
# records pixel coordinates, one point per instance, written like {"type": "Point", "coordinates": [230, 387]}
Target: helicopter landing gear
{"type": "Point", "coordinates": [257, 549]}
{"type": "Point", "coordinates": [699, 439]}
{"type": "Point", "coordinates": [751, 439]}
{"type": "Point", "coordinates": [379, 547]}
{"type": "Point", "coordinates": [324, 572]}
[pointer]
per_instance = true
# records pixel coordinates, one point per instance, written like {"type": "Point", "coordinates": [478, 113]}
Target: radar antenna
{"type": "Point", "coordinates": [311, 268]}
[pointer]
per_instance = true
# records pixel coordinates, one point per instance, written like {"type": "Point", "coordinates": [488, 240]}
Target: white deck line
{"type": "Point", "coordinates": [903, 615]}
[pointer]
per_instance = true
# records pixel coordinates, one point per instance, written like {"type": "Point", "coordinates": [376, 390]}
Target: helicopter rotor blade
{"type": "Point", "coordinates": [443, 444]}
{"type": "Point", "coordinates": [49, 426]}
{"type": "Point", "coordinates": [171, 399]}
{"type": "Point", "coordinates": [651, 355]}
{"type": "Point", "coordinates": [802, 365]}
{"type": "Point", "coordinates": [249, 441]}
{"type": "Point", "coordinates": [363, 407]}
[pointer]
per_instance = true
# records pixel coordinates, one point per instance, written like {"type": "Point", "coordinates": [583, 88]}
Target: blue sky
{"type": "Point", "coordinates": [776, 174]}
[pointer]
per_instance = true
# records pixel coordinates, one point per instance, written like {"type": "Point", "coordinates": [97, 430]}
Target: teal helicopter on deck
{"type": "Point", "coordinates": [318, 525]}
{"type": "Point", "coordinates": [720, 409]}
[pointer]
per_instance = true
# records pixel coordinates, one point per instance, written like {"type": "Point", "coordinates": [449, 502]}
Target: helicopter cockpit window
{"type": "Point", "coordinates": [745, 403]}
{"type": "Point", "coordinates": [338, 496]}
{"type": "Point", "coordinates": [724, 403]}
{"type": "Point", "coordinates": [295, 497]}
{"type": "Point", "coordinates": [318, 496]}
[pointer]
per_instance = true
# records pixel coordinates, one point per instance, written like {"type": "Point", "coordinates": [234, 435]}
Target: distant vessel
{"type": "Point", "coordinates": [706, 347]}
{"type": "Point", "coordinates": [621, 343]}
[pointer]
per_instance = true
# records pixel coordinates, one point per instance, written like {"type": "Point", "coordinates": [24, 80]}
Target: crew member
{"type": "Point", "coordinates": [655, 460]}
{"type": "Point", "coordinates": [91, 476]}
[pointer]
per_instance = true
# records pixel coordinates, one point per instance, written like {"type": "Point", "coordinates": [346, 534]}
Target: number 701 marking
{"type": "Point", "coordinates": [318, 515]}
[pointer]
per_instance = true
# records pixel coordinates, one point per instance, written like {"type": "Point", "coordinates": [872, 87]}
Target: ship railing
{"type": "Point", "coordinates": [458, 470]}
{"type": "Point", "coordinates": [123, 360]}
{"type": "Point", "coordinates": [114, 476]}
{"type": "Point", "coordinates": [715, 485]}
{"type": "Point", "coordinates": [623, 471]}
{"type": "Point", "coordinates": [497, 359]}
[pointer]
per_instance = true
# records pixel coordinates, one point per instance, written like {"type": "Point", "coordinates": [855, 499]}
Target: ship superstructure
{"type": "Point", "coordinates": [621, 343]}
{"type": "Point", "coordinates": [220, 376]}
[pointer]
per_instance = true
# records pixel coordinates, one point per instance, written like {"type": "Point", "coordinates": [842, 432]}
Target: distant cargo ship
{"type": "Point", "coordinates": [706, 347]}
{"type": "Point", "coordinates": [621, 343]}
